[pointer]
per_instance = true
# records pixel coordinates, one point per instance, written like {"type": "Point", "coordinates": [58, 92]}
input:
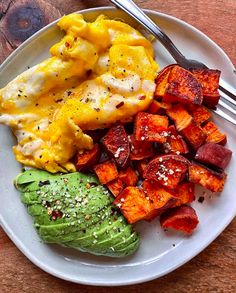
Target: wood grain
{"type": "Point", "coordinates": [213, 270]}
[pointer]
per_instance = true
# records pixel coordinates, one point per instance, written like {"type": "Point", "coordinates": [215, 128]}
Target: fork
{"type": "Point", "coordinates": [228, 98]}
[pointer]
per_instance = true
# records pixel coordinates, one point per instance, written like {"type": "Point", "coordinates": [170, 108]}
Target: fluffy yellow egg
{"type": "Point", "coordinates": [99, 73]}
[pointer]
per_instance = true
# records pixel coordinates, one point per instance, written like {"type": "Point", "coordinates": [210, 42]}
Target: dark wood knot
{"type": "Point", "coordinates": [23, 21]}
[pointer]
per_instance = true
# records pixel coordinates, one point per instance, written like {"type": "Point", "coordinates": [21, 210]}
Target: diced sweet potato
{"type": "Point", "coordinates": [182, 87]}
{"type": "Point", "coordinates": [157, 107]}
{"type": "Point", "coordinates": [162, 81]}
{"type": "Point", "coordinates": [200, 113]}
{"type": "Point", "coordinates": [128, 176]}
{"type": "Point", "coordinates": [116, 186]}
{"type": "Point", "coordinates": [168, 170]}
{"type": "Point", "coordinates": [207, 178]}
{"type": "Point", "coordinates": [134, 204]}
{"type": "Point", "coordinates": [184, 192]}
{"type": "Point", "coordinates": [106, 171]}
{"type": "Point", "coordinates": [116, 144]}
{"type": "Point", "coordinates": [149, 127]}
{"type": "Point", "coordinates": [183, 218]}
{"type": "Point", "coordinates": [175, 142]}
{"type": "Point", "coordinates": [152, 215]}
{"type": "Point", "coordinates": [140, 150]}
{"type": "Point", "coordinates": [209, 80]}
{"type": "Point", "coordinates": [141, 165]}
{"type": "Point", "coordinates": [180, 116]}
{"type": "Point", "coordinates": [214, 154]}
{"type": "Point", "coordinates": [214, 134]}
{"type": "Point", "coordinates": [162, 198]}
{"type": "Point", "coordinates": [194, 135]}
{"type": "Point", "coordinates": [88, 158]}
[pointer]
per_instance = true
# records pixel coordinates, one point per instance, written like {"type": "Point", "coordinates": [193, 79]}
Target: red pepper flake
{"type": "Point", "coordinates": [201, 199]}
{"type": "Point", "coordinates": [142, 98]}
{"type": "Point", "coordinates": [69, 93]}
{"type": "Point", "coordinates": [97, 109]}
{"type": "Point", "coordinates": [67, 44]}
{"type": "Point", "coordinates": [120, 105]}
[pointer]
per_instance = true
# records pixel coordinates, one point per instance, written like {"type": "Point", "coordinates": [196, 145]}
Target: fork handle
{"type": "Point", "coordinates": [133, 10]}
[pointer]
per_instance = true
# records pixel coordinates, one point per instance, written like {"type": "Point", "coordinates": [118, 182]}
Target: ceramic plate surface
{"type": "Point", "coordinates": [160, 252]}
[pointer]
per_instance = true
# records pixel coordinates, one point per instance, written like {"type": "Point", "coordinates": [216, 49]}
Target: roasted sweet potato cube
{"type": "Point", "coordinates": [149, 127]}
{"type": "Point", "coordinates": [128, 176]}
{"type": "Point", "coordinates": [116, 186]}
{"type": "Point", "coordinates": [157, 107]}
{"type": "Point", "coordinates": [209, 80]}
{"type": "Point", "coordinates": [182, 87]}
{"type": "Point", "coordinates": [167, 170]}
{"type": "Point", "coordinates": [162, 198]}
{"type": "Point", "coordinates": [116, 144]}
{"type": "Point", "coordinates": [106, 171]}
{"type": "Point", "coordinates": [134, 204]}
{"type": "Point", "coordinates": [200, 113]}
{"type": "Point", "coordinates": [214, 154]}
{"type": "Point", "coordinates": [194, 135]}
{"type": "Point", "coordinates": [175, 142]}
{"type": "Point", "coordinates": [184, 192]}
{"type": "Point", "coordinates": [183, 218]}
{"type": "Point", "coordinates": [140, 149]}
{"type": "Point", "coordinates": [162, 81]}
{"type": "Point", "coordinates": [88, 158]}
{"type": "Point", "coordinates": [214, 134]}
{"type": "Point", "coordinates": [180, 116]}
{"type": "Point", "coordinates": [207, 178]}
{"type": "Point", "coordinates": [141, 165]}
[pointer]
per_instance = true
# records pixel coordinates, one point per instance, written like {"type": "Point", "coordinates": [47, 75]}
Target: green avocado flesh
{"type": "Point", "coordinates": [75, 211]}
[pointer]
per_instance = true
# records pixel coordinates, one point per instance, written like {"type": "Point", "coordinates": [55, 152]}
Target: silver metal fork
{"type": "Point", "coordinates": [228, 96]}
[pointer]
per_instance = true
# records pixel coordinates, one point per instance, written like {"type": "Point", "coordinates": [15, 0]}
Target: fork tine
{"type": "Point", "coordinates": [224, 115]}
{"type": "Point", "coordinates": [228, 96]}
{"type": "Point", "coordinates": [226, 106]}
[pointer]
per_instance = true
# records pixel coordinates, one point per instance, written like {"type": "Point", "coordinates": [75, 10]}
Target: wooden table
{"type": "Point", "coordinates": [213, 270]}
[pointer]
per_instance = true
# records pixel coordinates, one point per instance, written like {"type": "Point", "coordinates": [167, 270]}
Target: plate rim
{"type": "Point", "coordinates": [20, 245]}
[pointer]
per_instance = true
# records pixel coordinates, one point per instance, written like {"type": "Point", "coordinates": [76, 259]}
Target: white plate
{"type": "Point", "coordinates": [157, 256]}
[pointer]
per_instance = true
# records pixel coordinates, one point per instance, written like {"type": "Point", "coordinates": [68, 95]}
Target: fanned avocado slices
{"type": "Point", "coordinates": [74, 210]}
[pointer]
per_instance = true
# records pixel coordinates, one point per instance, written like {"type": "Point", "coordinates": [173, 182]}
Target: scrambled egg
{"type": "Point", "coordinates": [99, 73]}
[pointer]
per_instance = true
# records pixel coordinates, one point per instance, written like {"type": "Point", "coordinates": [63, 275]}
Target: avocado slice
{"type": "Point", "coordinates": [67, 232]}
{"type": "Point", "coordinates": [74, 210]}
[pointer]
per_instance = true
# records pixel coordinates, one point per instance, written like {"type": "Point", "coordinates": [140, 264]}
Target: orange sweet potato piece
{"type": "Point", "coordinates": [194, 135]}
{"type": "Point", "coordinates": [182, 87]}
{"type": "Point", "coordinates": [214, 155]}
{"type": "Point", "coordinates": [180, 116]}
{"type": "Point", "coordinates": [149, 127]}
{"type": "Point", "coordinates": [162, 81]}
{"type": "Point", "coordinates": [214, 134]}
{"type": "Point", "coordinates": [88, 158]}
{"type": "Point", "coordinates": [183, 218]}
{"type": "Point", "coordinates": [200, 113]}
{"type": "Point", "coordinates": [140, 149]}
{"type": "Point", "coordinates": [162, 198]}
{"type": "Point", "coordinates": [209, 80]}
{"type": "Point", "coordinates": [184, 192]}
{"type": "Point", "coordinates": [209, 179]}
{"type": "Point", "coordinates": [134, 204]}
{"type": "Point", "coordinates": [167, 170]}
{"type": "Point", "coordinates": [116, 144]}
{"type": "Point", "coordinates": [157, 107]}
{"type": "Point", "coordinates": [106, 171]}
{"type": "Point", "coordinates": [128, 177]}
{"type": "Point", "coordinates": [116, 186]}
{"type": "Point", "coordinates": [175, 142]}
